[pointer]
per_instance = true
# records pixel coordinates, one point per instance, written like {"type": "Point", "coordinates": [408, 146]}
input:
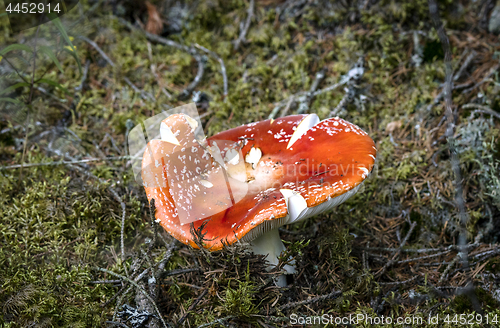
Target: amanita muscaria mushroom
{"type": "Point", "coordinates": [246, 182]}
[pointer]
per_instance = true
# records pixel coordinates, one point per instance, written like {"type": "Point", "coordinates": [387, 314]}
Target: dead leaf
{"type": "Point", "coordinates": [155, 24]}
{"type": "Point", "coordinates": [393, 126]}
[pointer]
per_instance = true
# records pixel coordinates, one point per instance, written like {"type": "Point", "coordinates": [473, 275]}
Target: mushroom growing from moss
{"type": "Point", "coordinates": [245, 183]}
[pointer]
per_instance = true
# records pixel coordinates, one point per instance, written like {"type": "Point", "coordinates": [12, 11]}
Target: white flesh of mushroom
{"type": "Point", "coordinates": [216, 155]}
{"type": "Point", "coordinates": [270, 242]}
{"type": "Point", "coordinates": [167, 135]}
{"type": "Point", "coordinates": [235, 167]}
{"type": "Point", "coordinates": [192, 122]}
{"type": "Point", "coordinates": [308, 122]}
{"type": "Point", "coordinates": [253, 157]}
{"type": "Point", "coordinates": [232, 157]}
{"type": "Point", "coordinates": [295, 203]}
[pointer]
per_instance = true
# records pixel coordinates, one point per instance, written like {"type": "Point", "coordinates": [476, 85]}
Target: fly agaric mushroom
{"type": "Point", "coordinates": [269, 174]}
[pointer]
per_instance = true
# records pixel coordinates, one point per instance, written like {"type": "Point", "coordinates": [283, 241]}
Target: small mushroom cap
{"type": "Point", "coordinates": [277, 172]}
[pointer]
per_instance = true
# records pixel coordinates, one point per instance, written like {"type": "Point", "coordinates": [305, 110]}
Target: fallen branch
{"type": "Point", "coordinates": [287, 107]}
{"type": "Point", "coordinates": [161, 266]}
{"type": "Point", "coordinates": [398, 283]}
{"type": "Point", "coordinates": [393, 260]}
{"type": "Point", "coordinates": [482, 109]}
{"type": "Point", "coordinates": [244, 27]}
{"type": "Point", "coordinates": [343, 80]}
{"type": "Point", "coordinates": [155, 38]}
{"type": "Point", "coordinates": [455, 162]}
{"type": "Point", "coordinates": [423, 257]}
{"type": "Point", "coordinates": [304, 105]}
{"type": "Point", "coordinates": [153, 303]}
{"type": "Point", "coordinates": [478, 84]}
{"type": "Point", "coordinates": [355, 74]}
{"type": "Point", "coordinates": [222, 68]}
{"type": "Point", "coordinates": [145, 95]}
{"type": "Point", "coordinates": [333, 294]}
{"type": "Point", "coordinates": [348, 96]}
{"type": "Point", "coordinates": [98, 282]}
{"type": "Point", "coordinates": [486, 254]}
{"type": "Point", "coordinates": [181, 271]}
{"type": "Point", "coordinates": [191, 308]}
{"type": "Point", "coordinates": [197, 79]}
{"type": "Point", "coordinates": [464, 66]}
{"type": "Point", "coordinates": [216, 321]}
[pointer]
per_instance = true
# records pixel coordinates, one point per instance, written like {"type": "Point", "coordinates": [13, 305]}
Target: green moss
{"type": "Point", "coordinates": [52, 234]}
{"type": "Point", "coordinates": [56, 224]}
{"type": "Point", "coordinates": [493, 265]}
{"type": "Point", "coordinates": [240, 301]}
{"type": "Point", "coordinates": [462, 303]}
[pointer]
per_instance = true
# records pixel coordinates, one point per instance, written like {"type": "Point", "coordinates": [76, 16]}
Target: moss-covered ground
{"type": "Point", "coordinates": [392, 250]}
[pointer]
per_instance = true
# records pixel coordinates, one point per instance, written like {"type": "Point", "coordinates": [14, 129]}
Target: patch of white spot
{"type": "Point", "coordinates": [253, 156]}
{"type": "Point", "coordinates": [206, 183]}
{"type": "Point", "coordinates": [308, 122]}
{"type": "Point", "coordinates": [232, 157]}
{"type": "Point", "coordinates": [365, 171]}
{"type": "Point", "coordinates": [192, 122]}
{"type": "Point", "coordinates": [167, 135]}
{"type": "Point", "coordinates": [295, 203]}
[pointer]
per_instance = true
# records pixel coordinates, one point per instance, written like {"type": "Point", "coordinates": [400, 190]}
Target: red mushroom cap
{"type": "Point", "coordinates": [277, 172]}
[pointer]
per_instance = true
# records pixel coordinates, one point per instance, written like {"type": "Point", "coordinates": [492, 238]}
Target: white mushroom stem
{"type": "Point", "coordinates": [270, 244]}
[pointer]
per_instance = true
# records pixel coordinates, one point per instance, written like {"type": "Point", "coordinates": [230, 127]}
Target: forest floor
{"type": "Point", "coordinates": [421, 238]}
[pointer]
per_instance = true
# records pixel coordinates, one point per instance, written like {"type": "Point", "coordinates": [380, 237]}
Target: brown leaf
{"type": "Point", "coordinates": [393, 126]}
{"type": "Point", "coordinates": [155, 24]}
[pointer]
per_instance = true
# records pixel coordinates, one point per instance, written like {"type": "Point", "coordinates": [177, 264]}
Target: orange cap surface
{"type": "Point", "coordinates": [320, 163]}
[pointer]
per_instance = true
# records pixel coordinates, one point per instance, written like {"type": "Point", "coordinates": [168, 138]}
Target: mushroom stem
{"type": "Point", "coordinates": [270, 244]}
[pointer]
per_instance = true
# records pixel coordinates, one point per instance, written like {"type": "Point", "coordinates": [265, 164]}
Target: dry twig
{"type": "Point", "coordinates": [197, 79]}
{"type": "Point", "coordinates": [333, 294]}
{"type": "Point", "coordinates": [393, 260]}
{"type": "Point", "coordinates": [450, 128]}
{"type": "Point", "coordinates": [153, 303]}
{"type": "Point", "coordinates": [244, 27]}
{"type": "Point", "coordinates": [455, 162]}
{"type": "Point", "coordinates": [304, 105]}
{"type": "Point", "coordinates": [222, 68]}
{"type": "Point", "coordinates": [354, 75]}
{"type": "Point", "coordinates": [217, 321]}
{"type": "Point", "coordinates": [478, 84]}
{"type": "Point", "coordinates": [482, 109]}
{"type": "Point", "coordinates": [398, 283]}
{"type": "Point", "coordinates": [199, 59]}
{"type": "Point", "coordinates": [87, 160]}
{"type": "Point", "coordinates": [301, 95]}
{"type": "Point", "coordinates": [464, 66]}
{"type": "Point", "coordinates": [145, 95]}
{"type": "Point", "coordinates": [191, 308]}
